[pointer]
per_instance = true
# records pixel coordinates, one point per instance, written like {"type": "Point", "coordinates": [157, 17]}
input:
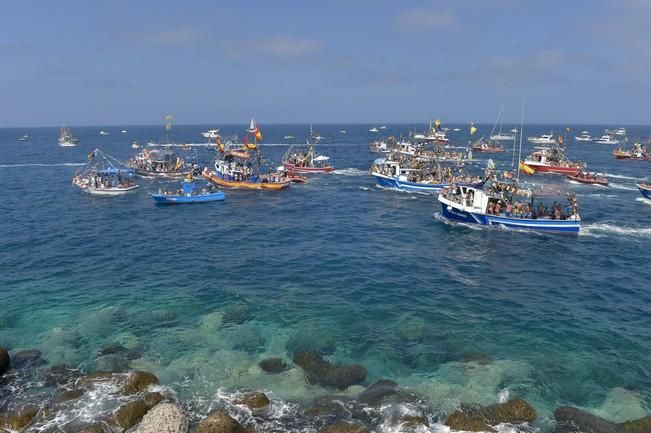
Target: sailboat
{"type": "Point", "coordinates": [66, 139]}
{"type": "Point", "coordinates": [501, 136]}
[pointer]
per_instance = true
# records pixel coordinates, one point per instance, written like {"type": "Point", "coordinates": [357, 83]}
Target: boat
{"type": "Point", "coordinates": [456, 129]}
{"type": "Point", "coordinates": [103, 133]}
{"type": "Point", "coordinates": [343, 131]}
{"type": "Point", "coordinates": [501, 136]}
{"type": "Point", "coordinates": [211, 134]}
{"type": "Point", "coordinates": [374, 129]}
{"type": "Point", "coordinates": [157, 163]}
{"type": "Point", "coordinates": [306, 161]}
{"type": "Point", "coordinates": [25, 137]}
{"type": "Point", "coordinates": [104, 175]}
{"type": "Point", "coordinates": [382, 145]}
{"type": "Point", "coordinates": [383, 127]}
{"type": "Point", "coordinates": [645, 189]}
{"type": "Point", "coordinates": [315, 136]}
{"type": "Point", "coordinates": [589, 178]}
{"type": "Point", "coordinates": [289, 137]}
{"type": "Point", "coordinates": [585, 136]}
{"type": "Point", "coordinates": [639, 152]}
{"type": "Point", "coordinates": [507, 205]}
{"type": "Point", "coordinates": [487, 146]}
{"type": "Point", "coordinates": [240, 166]}
{"type": "Point", "coordinates": [66, 139]}
{"type": "Point", "coordinates": [188, 194]}
{"type": "Point", "coordinates": [542, 139]}
{"type": "Point", "coordinates": [124, 131]}
{"type": "Point", "coordinates": [416, 176]}
{"type": "Point", "coordinates": [552, 160]}
{"type": "Point", "coordinates": [606, 139]}
{"type": "Point", "coordinates": [621, 132]}
{"type": "Point", "coordinates": [135, 145]}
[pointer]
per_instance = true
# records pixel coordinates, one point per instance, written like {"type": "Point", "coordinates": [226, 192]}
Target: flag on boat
{"type": "Point", "coordinates": [437, 124]}
{"type": "Point", "coordinates": [247, 144]}
{"type": "Point", "coordinates": [220, 145]}
{"type": "Point", "coordinates": [490, 164]}
{"type": "Point", "coordinates": [567, 129]}
{"type": "Point", "coordinates": [258, 134]}
{"type": "Point", "coordinates": [472, 129]}
{"type": "Point", "coordinates": [91, 155]}
{"type": "Point", "coordinates": [560, 139]}
{"type": "Point", "coordinates": [526, 169]}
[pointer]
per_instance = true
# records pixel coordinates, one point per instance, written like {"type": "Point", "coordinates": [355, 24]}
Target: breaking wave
{"type": "Point", "coordinates": [351, 172]}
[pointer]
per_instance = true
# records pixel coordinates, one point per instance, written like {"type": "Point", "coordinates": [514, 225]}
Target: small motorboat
{"type": "Point", "coordinates": [374, 129]}
{"type": "Point", "coordinates": [289, 137]}
{"type": "Point", "coordinates": [542, 139]}
{"type": "Point", "coordinates": [211, 134]}
{"type": "Point", "coordinates": [124, 131]}
{"type": "Point", "coordinates": [343, 131]}
{"type": "Point", "coordinates": [24, 138]}
{"type": "Point", "coordinates": [487, 146]}
{"type": "Point", "coordinates": [606, 139]}
{"type": "Point", "coordinates": [103, 133]}
{"type": "Point", "coordinates": [645, 189]}
{"type": "Point", "coordinates": [585, 136]}
{"type": "Point", "coordinates": [306, 161]}
{"type": "Point", "coordinates": [589, 178]}
{"type": "Point", "coordinates": [188, 194]}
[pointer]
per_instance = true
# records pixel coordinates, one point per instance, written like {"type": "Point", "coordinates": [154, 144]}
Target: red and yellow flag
{"type": "Point", "coordinates": [258, 134]}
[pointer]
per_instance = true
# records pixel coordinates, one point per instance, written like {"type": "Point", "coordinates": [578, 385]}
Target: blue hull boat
{"type": "Point", "coordinates": [403, 185]}
{"type": "Point", "coordinates": [183, 199]}
{"type": "Point", "coordinates": [645, 189]}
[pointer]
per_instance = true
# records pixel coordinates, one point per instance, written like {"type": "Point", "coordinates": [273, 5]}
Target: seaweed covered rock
{"type": "Point", "coordinates": [326, 407]}
{"type": "Point", "coordinates": [642, 425]}
{"type": "Point", "coordinates": [18, 420]}
{"type": "Point", "coordinates": [272, 365]}
{"type": "Point", "coordinates": [319, 371]}
{"type": "Point", "coordinates": [129, 414]}
{"type": "Point", "coordinates": [164, 418]}
{"type": "Point", "coordinates": [344, 427]}
{"type": "Point", "coordinates": [255, 401]}
{"type": "Point", "coordinates": [314, 340]}
{"type": "Point", "coordinates": [60, 374]}
{"type": "Point", "coordinates": [573, 420]}
{"type": "Point", "coordinates": [468, 420]}
{"type": "Point", "coordinates": [139, 381]}
{"type": "Point", "coordinates": [516, 411]}
{"type": "Point", "coordinates": [221, 422]}
{"type": "Point", "coordinates": [4, 361]}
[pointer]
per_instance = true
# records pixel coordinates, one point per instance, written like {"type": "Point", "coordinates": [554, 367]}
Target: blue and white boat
{"type": "Point", "coordinates": [391, 174]}
{"type": "Point", "coordinates": [645, 189]}
{"type": "Point", "coordinates": [517, 210]}
{"type": "Point", "coordinates": [188, 194]}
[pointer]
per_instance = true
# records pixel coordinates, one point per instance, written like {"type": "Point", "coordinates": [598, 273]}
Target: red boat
{"type": "Point", "coordinates": [300, 162]}
{"type": "Point", "coordinates": [552, 160]}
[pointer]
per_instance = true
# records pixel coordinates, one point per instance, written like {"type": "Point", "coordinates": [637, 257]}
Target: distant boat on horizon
{"type": "Point", "coordinates": [25, 137]}
{"type": "Point", "coordinates": [103, 133]}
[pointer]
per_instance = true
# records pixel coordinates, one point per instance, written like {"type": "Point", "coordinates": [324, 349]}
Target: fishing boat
{"type": "Point", "coordinates": [188, 194]}
{"type": "Point", "coordinates": [606, 139]}
{"type": "Point", "coordinates": [343, 131]}
{"type": "Point", "coordinates": [638, 152]}
{"type": "Point", "coordinates": [135, 145]}
{"type": "Point", "coordinates": [501, 136]}
{"type": "Point", "coordinates": [416, 176]}
{"type": "Point", "coordinates": [66, 139]}
{"type": "Point", "coordinates": [306, 161]}
{"type": "Point", "coordinates": [240, 166]}
{"type": "Point", "coordinates": [315, 136]}
{"type": "Point", "coordinates": [105, 176]}
{"type": "Point", "coordinates": [24, 138]}
{"type": "Point", "coordinates": [589, 178]}
{"type": "Point", "coordinates": [289, 137]}
{"type": "Point", "coordinates": [552, 160]}
{"type": "Point", "coordinates": [211, 134]}
{"type": "Point", "coordinates": [487, 146]}
{"type": "Point", "coordinates": [585, 136]}
{"type": "Point", "coordinates": [645, 189]}
{"type": "Point", "coordinates": [374, 129]}
{"type": "Point", "coordinates": [103, 133]}
{"type": "Point", "coordinates": [506, 205]}
{"type": "Point", "coordinates": [542, 139]}
{"type": "Point", "coordinates": [157, 163]}
{"type": "Point", "coordinates": [382, 145]}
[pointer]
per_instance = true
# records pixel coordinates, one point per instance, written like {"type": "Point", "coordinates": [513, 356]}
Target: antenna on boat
{"type": "Point", "coordinates": [168, 128]}
{"type": "Point", "coordinates": [521, 134]}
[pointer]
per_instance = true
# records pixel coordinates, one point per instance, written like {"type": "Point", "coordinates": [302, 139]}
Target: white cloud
{"type": "Point", "coordinates": [284, 47]}
{"type": "Point", "coordinates": [424, 19]}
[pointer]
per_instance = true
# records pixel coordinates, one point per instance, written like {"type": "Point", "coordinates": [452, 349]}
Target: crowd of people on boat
{"type": "Point", "coordinates": [102, 181]}
{"type": "Point", "coordinates": [156, 162]}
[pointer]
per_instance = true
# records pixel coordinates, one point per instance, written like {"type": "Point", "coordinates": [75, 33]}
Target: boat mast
{"type": "Point", "coordinates": [168, 128]}
{"type": "Point", "coordinates": [521, 135]}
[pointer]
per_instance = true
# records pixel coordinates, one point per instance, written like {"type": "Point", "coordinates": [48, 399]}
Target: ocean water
{"type": "Point", "coordinates": [363, 275]}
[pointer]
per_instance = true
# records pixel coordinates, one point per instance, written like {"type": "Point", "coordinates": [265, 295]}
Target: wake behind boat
{"type": "Point", "coordinates": [105, 176]}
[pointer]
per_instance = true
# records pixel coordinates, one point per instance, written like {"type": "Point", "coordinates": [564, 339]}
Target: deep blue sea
{"type": "Point", "coordinates": [362, 274]}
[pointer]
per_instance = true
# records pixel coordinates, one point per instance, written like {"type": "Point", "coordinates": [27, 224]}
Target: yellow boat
{"type": "Point", "coordinates": [268, 186]}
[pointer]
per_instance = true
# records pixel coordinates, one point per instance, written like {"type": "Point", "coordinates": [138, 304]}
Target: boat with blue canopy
{"type": "Point", "coordinates": [189, 193]}
{"type": "Point", "coordinates": [104, 175]}
{"type": "Point", "coordinates": [507, 205]}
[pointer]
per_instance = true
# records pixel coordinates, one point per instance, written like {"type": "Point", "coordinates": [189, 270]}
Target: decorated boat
{"type": "Point", "coordinates": [645, 189]}
{"type": "Point", "coordinates": [305, 161]}
{"type": "Point", "coordinates": [638, 152]}
{"type": "Point", "coordinates": [589, 178]}
{"type": "Point", "coordinates": [241, 166]}
{"type": "Point", "coordinates": [552, 160]}
{"type": "Point", "coordinates": [158, 163]}
{"type": "Point", "coordinates": [417, 175]}
{"type": "Point", "coordinates": [508, 206]}
{"type": "Point", "coordinates": [188, 193]}
{"type": "Point", "coordinates": [105, 176]}
{"type": "Point", "coordinates": [382, 145]}
{"type": "Point", "coordinates": [487, 146]}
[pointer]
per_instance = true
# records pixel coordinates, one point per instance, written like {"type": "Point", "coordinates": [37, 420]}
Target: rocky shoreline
{"type": "Point", "coordinates": [69, 400]}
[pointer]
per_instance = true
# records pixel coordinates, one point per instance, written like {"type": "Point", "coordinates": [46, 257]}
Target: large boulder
{"type": "Point", "coordinates": [465, 420]}
{"type": "Point", "coordinates": [221, 422]}
{"type": "Point", "coordinates": [18, 420]}
{"type": "Point", "coordinates": [139, 381]}
{"type": "Point", "coordinates": [374, 394]}
{"type": "Point", "coordinates": [129, 414]}
{"type": "Point", "coordinates": [326, 407]}
{"type": "Point", "coordinates": [642, 425]}
{"type": "Point", "coordinates": [4, 361]}
{"type": "Point", "coordinates": [96, 376]}
{"type": "Point", "coordinates": [319, 371]}
{"type": "Point", "coordinates": [344, 427]}
{"type": "Point", "coordinates": [164, 418]}
{"type": "Point", "coordinates": [68, 395]}
{"type": "Point", "coordinates": [516, 411]}
{"type": "Point", "coordinates": [256, 401]}
{"type": "Point", "coordinates": [272, 365]}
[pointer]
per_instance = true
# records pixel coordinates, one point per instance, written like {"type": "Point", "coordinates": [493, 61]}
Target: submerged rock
{"type": "Point", "coordinates": [96, 376]}
{"type": "Point", "coordinates": [72, 394]}
{"type": "Point", "coordinates": [238, 314]}
{"type": "Point", "coordinates": [138, 381]}
{"type": "Point", "coordinates": [96, 427]}
{"type": "Point", "coordinates": [129, 414]}
{"type": "Point", "coordinates": [412, 422]}
{"type": "Point", "coordinates": [319, 371]}
{"type": "Point", "coordinates": [4, 361]}
{"type": "Point", "coordinates": [60, 374]}
{"type": "Point", "coordinates": [573, 420]}
{"type": "Point", "coordinates": [273, 365]}
{"type": "Point", "coordinates": [311, 340]}
{"type": "Point", "coordinates": [477, 357]}
{"type": "Point", "coordinates": [374, 394]}
{"type": "Point", "coordinates": [118, 349]}
{"type": "Point", "coordinates": [221, 422]}
{"type": "Point", "coordinates": [326, 407]}
{"type": "Point", "coordinates": [113, 363]}
{"type": "Point", "coordinates": [642, 425]}
{"type": "Point", "coordinates": [164, 418]}
{"type": "Point", "coordinates": [27, 358]}
{"type": "Point", "coordinates": [344, 427]}
{"type": "Point", "coordinates": [18, 420]}
{"type": "Point", "coordinates": [255, 401]}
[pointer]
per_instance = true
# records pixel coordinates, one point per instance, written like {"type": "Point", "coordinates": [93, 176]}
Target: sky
{"type": "Point", "coordinates": [125, 62]}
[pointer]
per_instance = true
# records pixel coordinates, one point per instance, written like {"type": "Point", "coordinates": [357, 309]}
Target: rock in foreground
{"type": "Point", "coordinates": [221, 422]}
{"type": "Point", "coordinates": [164, 418]}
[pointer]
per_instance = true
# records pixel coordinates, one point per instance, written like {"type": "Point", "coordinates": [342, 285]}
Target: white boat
{"type": "Point", "coordinates": [383, 127]}
{"type": "Point", "coordinates": [66, 139]}
{"type": "Point", "coordinates": [104, 175]}
{"type": "Point", "coordinates": [606, 139]}
{"type": "Point", "coordinates": [124, 131]}
{"type": "Point", "coordinates": [501, 136]}
{"type": "Point", "coordinates": [211, 133]}
{"type": "Point", "coordinates": [374, 129]}
{"type": "Point", "coordinates": [456, 129]}
{"type": "Point", "coordinates": [315, 136]}
{"type": "Point", "coordinates": [585, 136]}
{"type": "Point", "coordinates": [24, 138]}
{"type": "Point", "coordinates": [343, 131]}
{"type": "Point", "coordinates": [289, 137]}
{"type": "Point", "coordinates": [103, 133]}
{"type": "Point", "coordinates": [135, 145]}
{"type": "Point", "coordinates": [542, 139]}
{"type": "Point", "coordinates": [620, 131]}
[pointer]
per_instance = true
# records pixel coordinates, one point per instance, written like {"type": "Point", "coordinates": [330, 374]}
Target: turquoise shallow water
{"type": "Point", "coordinates": [361, 274]}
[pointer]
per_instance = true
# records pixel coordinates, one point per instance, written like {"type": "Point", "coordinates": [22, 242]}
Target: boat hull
{"type": "Point", "coordinates": [391, 182]}
{"type": "Point", "coordinates": [184, 199]}
{"type": "Point", "coordinates": [306, 170]}
{"type": "Point", "coordinates": [168, 174]}
{"type": "Point", "coordinates": [553, 169]}
{"type": "Point", "coordinates": [267, 186]}
{"type": "Point", "coordinates": [646, 191]}
{"type": "Point", "coordinates": [588, 181]}
{"type": "Point", "coordinates": [570, 227]}
{"type": "Point", "coordinates": [110, 192]}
